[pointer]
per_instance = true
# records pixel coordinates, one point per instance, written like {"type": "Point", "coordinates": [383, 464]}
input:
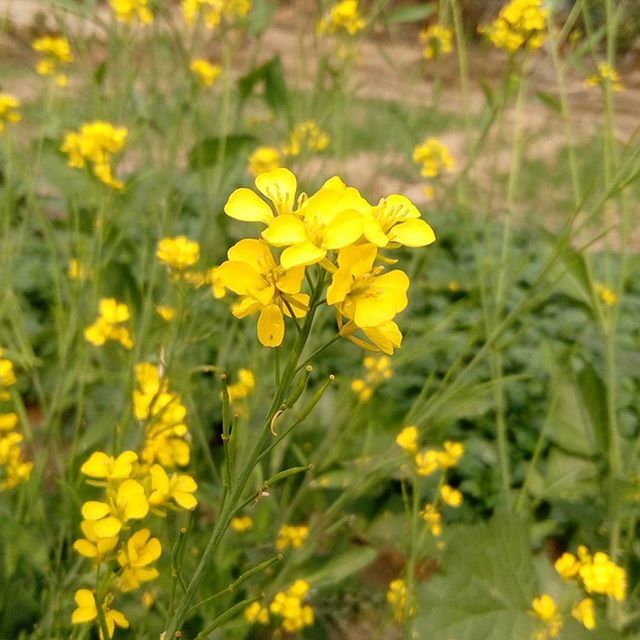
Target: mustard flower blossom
{"type": "Point", "coordinates": [242, 524]}
{"type": "Point", "coordinates": [438, 40]}
{"type": "Point", "coordinates": [545, 609]}
{"type": "Point", "coordinates": [433, 518]}
{"type": "Point", "coordinates": [105, 467]}
{"type": "Point", "coordinates": [290, 606]}
{"type": "Point", "coordinates": [605, 74]}
{"type": "Point", "coordinates": [179, 252]}
{"type": "Point", "coordinates": [291, 536]}
{"type": "Point", "coordinates": [307, 137]}
{"type": "Point", "coordinates": [109, 324]}
{"type": "Point", "coordinates": [264, 159]}
{"type": "Point", "coordinates": [607, 295]}
{"type": "Point", "coordinates": [434, 157]}
{"type": "Point", "coordinates": [132, 11]}
{"type": "Point", "coordinates": [205, 72]}
{"type": "Point", "coordinates": [450, 496]}
{"type": "Point", "coordinates": [343, 17]}
{"type": "Point", "coordinates": [244, 387]}
{"type": "Point", "coordinates": [585, 613]}
{"type": "Point", "coordinates": [255, 613]}
{"type": "Point", "coordinates": [397, 596]}
{"type": "Point", "coordinates": [407, 439]}
{"type": "Point", "coordinates": [520, 24]}
{"type": "Point", "coordinates": [87, 611]}
{"type": "Point", "coordinates": [9, 110]}
{"type": "Point", "coordinates": [134, 560]}
{"type": "Point", "coordinates": [55, 53]}
{"type": "Point", "coordinates": [215, 12]}
{"type": "Point", "coordinates": [177, 488]}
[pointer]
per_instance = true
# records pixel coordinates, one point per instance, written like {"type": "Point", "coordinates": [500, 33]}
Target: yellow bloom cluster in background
{"type": "Point", "coordinates": [545, 609]}
{"type": "Point", "coordinates": [264, 159]}
{"type": "Point", "coordinates": [130, 11]}
{"type": "Point", "coordinates": [205, 72]}
{"type": "Point", "coordinates": [178, 252]}
{"type": "Point", "coordinates": [9, 110]}
{"type": "Point", "coordinates": [289, 606]}
{"type": "Point", "coordinates": [434, 157]}
{"type": "Point", "coordinates": [335, 228]}
{"type": "Point", "coordinates": [377, 369]}
{"type": "Point", "coordinates": [109, 324]}
{"type": "Point", "coordinates": [243, 388]}
{"type": "Point", "coordinates": [242, 524]}
{"type": "Point", "coordinates": [55, 52]}
{"type": "Point", "coordinates": [437, 40]}
{"type": "Point", "coordinates": [343, 17]}
{"type": "Point", "coordinates": [521, 23]}
{"type": "Point", "coordinates": [606, 74]}
{"type": "Point", "coordinates": [94, 144]}
{"type": "Point", "coordinates": [291, 536]}
{"type": "Point", "coordinates": [607, 295]}
{"type": "Point", "coordinates": [397, 597]}
{"type": "Point", "coordinates": [306, 137]}
{"type": "Point", "coordinates": [214, 12]}
{"type": "Point", "coordinates": [431, 460]}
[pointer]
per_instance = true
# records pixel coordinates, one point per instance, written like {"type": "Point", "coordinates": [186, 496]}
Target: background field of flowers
{"type": "Point", "coordinates": [319, 319]}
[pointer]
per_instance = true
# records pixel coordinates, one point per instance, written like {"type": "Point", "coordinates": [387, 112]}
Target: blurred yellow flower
{"type": "Point", "coordinates": [306, 137]}
{"type": "Point", "coordinates": [256, 613]}
{"type": "Point", "coordinates": [342, 17]}
{"type": "Point", "coordinates": [108, 325]}
{"type": "Point", "coordinates": [214, 12]}
{"type": "Point", "coordinates": [433, 518]}
{"type": "Point", "coordinates": [9, 113]}
{"type": "Point", "coordinates": [450, 496]}
{"type": "Point", "coordinates": [206, 72]}
{"type": "Point", "coordinates": [291, 536]}
{"type": "Point", "coordinates": [56, 52]}
{"type": "Point", "coordinates": [606, 74]}
{"type": "Point", "coordinates": [242, 524]}
{"type": "Point", "coordinates": [407, 439]}
{"type": "Point", "coordinates": [599, 574]}
{"type": "Point", "coordinates": [244, 387]}
{"type": "Point", "coordinates": [434, 157]}
{"type": "Point", "coordinates": [567, 565]}
{"type": "Point", "coordinates": [132, 10]}
{"type": "Point", "coordinates": [438, 40]}
{"type": "Point", "coordinates": [585, 613]}
{"type": "Point", "coordinates": [608, 296]}
{"type": "Point", "coordinates": [521, 23]}
{"type": "Point", "coordinates": [264, 159]}
{"type": "Point", "coordinates": [165, 312]}
{"type": "Point", "coordinates": [289, 604]}
{"type": "Point", "coordinates": [397, 596]}
{"type": "Point", "coordinates": [178, 252]}
{"type": "Point", "coordinates": [545, 609]}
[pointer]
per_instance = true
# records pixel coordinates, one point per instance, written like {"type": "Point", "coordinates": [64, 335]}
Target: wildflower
{"type": "Point", "coordinates": [56, 52]}
{"type": "Point", "coordinates": [132, 10]}
{"type": "Point", "coordinates": [585, 613]}
{"type": "Point", "coordinates": [13, 468]}
{"type": "Point", "coordinates": [94, 144]}
{"type": "Point", "coordinates": [264, 159]}
{"type": "Point", "coordinates": [344, 16]}
{"type": "Point", "coordinates": [545, 609]}
{"type": "Point", "coordinates": [606, 74]}
{"type": "Point", "coordinates": [7, 376]}
{"type": "Point", "coordinates": [407, 439]}
{"type": "Point", "coordinates": [165, 312]}
{"type": "Point", "coordinates": [306, 137]}
{"type": "Point", "coordinates": [608, 296]}
{"type": "Point", "coordinates": [9, 113]}
{"type": "Point", "coordinates": [205, 72]}
{"type": "Point", "coordinates": [397, 596]}
{"type": "Point", "coordinates": [256, 613]}
{"type": "Point", "coordinates": [242, 524]}
{"type": "Point", "coordinates": [434, 157]}
{"type": "Point", "coordinates": [451, 454]}
{"type": "Point", "coordinates": [438, 40]}
{"type": "Point", "coordinates": [377, 370]}
{"type": "Point", "coordinates": [567, 565]}
{"type": "Point", "coordinates": [599, 574]}
{"type": "Point", "coordinates": [108, 325]}
{"type": "Point", "coordinates": [264, 287]}
{"type": "Point", "coordinates": [8, 421]}
{"type": "Point", "coordinates": [291, 536]}
{"type": "Point", "coordinates": [360, 387]}
{"type": "Point", "coordinates": [102, 466]}
{"type": "Point", "coordinates": [290, 606]}
{"type": "Point", "coordinates": [178, 252]}
{"type": "Point", "coordinates": [214, 12]}
{"type": "Point", "coordinates": [92, 545]}
{"type": "Point", "coordinates": [87, 611]}
{"type": "Point", "coordinates": [245, 385]}
{"type": "Point", "coordinates": [521, 23]}
{"type": "Point", "coordinates": [433, 518]}
{"type": "Point", "coordinates": [450, 496]}
{"type": "Point", "coordinates": [139, 552]}
{"type": "Point", "coordinates": [179, 488]}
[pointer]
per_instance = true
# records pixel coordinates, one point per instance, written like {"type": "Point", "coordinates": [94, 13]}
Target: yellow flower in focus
{"type": "Point", "coordinates": [206, 72]}
{"type": "Point", "coordinates": [139, 552]}
{"type": "Point", "coordinates": [342, 17]}
{"type": "Point", "coordinates": [178, 252]}
{"type": "Point", "coordinates": [607, 295]}
{"type": "Point", "coordinates": [544, 608]}
{"type": "Point", "coordinates": [165, 312]}
{"type": "Point", "coordinates": [438, 40]}
{"type": "Point", "coordinates": [606, 74]}
{"type": "Point", "coordinates": [433, 518]}
{"type": "Point", "coordinates": [264, 159]}
{"type": "Point", "coordinates": [585, 613]}
{"type": "Point", "coordinates": [289, 604]}
{"type": "Point", "coordinates": [397, 596]}
{"type": "Point", "coordinates": [407, 439]}
{"type": "Point", "coordinates": [242, 524]}
{"type": "Point", "coordinates": [106, 467]}
{"type": "Point", "coordinates": [179, 488]}
{"type": "Point", "coordinates": [306, 138]}
{"type": "Point", "coordinates": [255, 613]}
{"type": "Point", "coordinates": [87, 611]}
{"type": "Point", "coordinates": [434, 157]}
{"type": "Point", "coordinates": [521, 23]}
{"type": "Point", "coordinates": [291, 536]}
{"type": "Point", "coordinates": [9, 113]}
{"type": "Point", "coordinates": [567, 565]}
{"type": "Point", "coordinates": [599, 574]}
{"type": "Point", "coordinates": [214, 12]}
{"type": "Point", "coordinates": [108, 325]}
{"type": "Point", "coordinates": [244, 387]}
{"type": "Point", "coordinates": [132, 10]}
{"type": "Point", "coordinates": [264, 287]}
{"type": "Point", "coordinates": [93, 546]}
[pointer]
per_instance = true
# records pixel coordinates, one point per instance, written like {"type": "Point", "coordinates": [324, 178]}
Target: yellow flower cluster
{"type": "Point", "coordinates": [9, 113]}
{"type": "Point", "coordinates": [178, 253]}
{"type": "Point", "coordinates": [545, 609]}
{"type": "Point", "coordinates": [407, 439]}
{"type": "Point", "coordinates": [433, 518]}
{"type": "Point", "coordinates": [343, 17]}
{"type": "Point", "coordinates": [109, 324]}
{"type": "Point", "coordinates": [608, 296]}
{"type": "Point", "coordinates": [521, 23]}
{"type": "Point", "coordinates": [264, 159]}
{"type": "Point", "coordinates": [13, 468]}
{"type": "Point", "coordinates": [55, 52]}
{"type": "Point", "coordinates": [378, 369]}
{"type": "Point", "coordinates": [132, 11]}
{"type": "Point", "coordinates": [397, 597]}
{"type": "Point", "coordinates": [214, 12]}
{"type": "Point", "coordinates": [434, 157]}
{"type": "Point", "coordinates": [94, 144]}
{"type": "Point", "coordinates": [167, 438]}
{"type": "Point", "coordinates": [431, 460]}
{"type": "Point", "coordinates": [290, 606]}
{"type": "Point", "coordinates": [291, 536]}
{"type": "Point", "coordinates": [437, 40]}
{"type": "Point", "coordinates": [243, 388]}
{"type": "Point", "coordinates": [335, 228]}
{"type": "Point", "coordinates": [606, 74]}
{"type": "Point", "coordinates": [306, 137]}
{"type": "Point", "coordinates": [205, 72]}
{"type": "Point", "coordinates": [132, 489]}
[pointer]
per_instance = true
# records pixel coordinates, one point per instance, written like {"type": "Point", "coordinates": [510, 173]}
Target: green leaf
{"type": "Point", "coordinates": [342, 566]}
{"type": "Point", "coordinates": [213, 151]}
{"type": "Point", "coordinates": [260, 16]}
{"type": "Point", "coordinates": [270, 75]}
{"type": "Point", "coordinates": [410, 13]}
{"type": "Point", "coordinates": [487, 588]}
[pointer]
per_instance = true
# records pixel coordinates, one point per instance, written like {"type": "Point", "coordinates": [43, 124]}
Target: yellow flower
{"type": "Point", "coordinates": [214, 12]}
{"type": "Point", "coordinates": [102, 466]}
{"type": "Point", "coordinates": [56, 52]}
{"type": "Point", "coordinates": [108, 325]}
{"type": "Point", "coordinates": [139, 552]}
{"type": "Point", "coordinates": [264, 287]}
{"type": "Point", "coordinates": [94, 144]}
{"type": "Point", "coordinates": [178, 252]}
{"type": "Point", "coordinates": [245, 385]}
{"type": "Point", "coordinates": [256, 613]}
{"type": "Point", "coordinates": [264, 159]}
{"type": "Point", "coordinates": [451, 454]}
{"type": "Point", "coordinates": [87, 611]}
{"type": "Point", "coordinates": [132, 10]}
{"type": "Point", "coordinates": [567, 565]}
{"type": "Point", "coordinates": [306, 137]}
{"type": "Point", "coordinates": [92, 545]}
{"type": "Point", "coordinates": [397, 596]}
{"type": "Point", "coordinates": [607, 295]}
{"type": "Point", "coordinates": [16, 470]}
{"type": "Point", "coordinates": [364, 391]}
{"type": "Point", "coordinates": [605, 74]}
{"type": "Point", "coordinates": [433, 518]}
{"type": "Point", "coordinates": [291, 536]}
{"type": "Point", "coordinates": [179, 488]}
{"type": "Point", "coordinates": [75, 270]}
{"type": "Point", "coordinates": [206, 72]}
{"type": "Point", "coordinates": [450, 496]}
{"type": "Point", "coordinates": [438, 40]}
{"type": "Point", "coordinates": [407, 439]}
{"type": "Point", "coordinates": [344, 17]}
{"type": "Point", "coordinates": [600, 574]}
{"type": "Point", "coordinates": [544, 608]}
{"type": "Point", "coordinates": [290, 606]}
{"type": "Point", "coordinates": [242, 524]}
{"type": "Point", "coordinates": [521, 23]}
{"type": "Point", "coordinates": [9, 113]}
{"type": "Point", "coordinates": [165, 312]}
{"type": "Point", "coordinates": [434, 157]}
{"type": "Point", "coordinates": [7, 373]}
{"type": "Point", "coordinates": [585, 613]}
{"type": "Point", "coordinates": [8, 421]}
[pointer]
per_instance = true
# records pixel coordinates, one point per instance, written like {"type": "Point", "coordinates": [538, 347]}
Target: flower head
{"type": "Point", "coordinates": [306, 137]}
{"type": "Point", "coordinates": [520, 24]}
{"type": "Point", "coordinates": [290, 606]}
{"type": "Point", "coordinates": [438, 40]}
{"type": "Point", "coordinates": [264, 159]}
{"type": "Point", "coordinates": [291, 536]}
{"type": "Point", "coordinates": [605, 74]}
{"type": "Point", "coordinates": [343, 17]}
{"type": "Point", "coordinates": [87, 611]}
{"type": "Point", "coordinates": [55, 52]}
{"type": "Point", "coordinates": [177, 488]}
{"type": "Point", "coordinates": [179, 252]}
{"type": "Point", "coordinates": [407, 439]}
{"type": "Point", "coordinates": [134, 559]}
{"type": "Point", "coordinates": [434, 157]}
{"type": "Point", "coordinates": [9, 110]}
{"type": "Point", "coordinates": [215, 12]}
{"type": "Point", "coordinates": [109, 324]}
{"type": "Point", "coordinates": [132, 11]}
{"type": "Point", "coordinates": [545, 609]}
{"type": "Point", "coordinates": [205, 72]}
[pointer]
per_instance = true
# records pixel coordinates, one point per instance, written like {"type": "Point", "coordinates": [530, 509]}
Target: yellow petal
{"type": "Point", "coordinates": [85, 548]}
{"type": "Point", "coordinates": [107, 527]}
{"type": "Point", "coordinates": [385, 336]}
{"type": "Point", "coordinates": [285, 230]}
{"type": "Point", "coordinates": [299, 303]}
{"type": "Point", "coordinates": [93, 510]}
{"type": "Point", "coordinates": [185, 500]}
{"type": "Point", "coordinates": [271, 326]}
{"type": "Point", "coordinates": [358, 258]}
{"type": "Point", "coordinates": [374, 233]}
{"type": "Point", "coordinates": [98, 465]}
{"type": "Point", "coordinates": [340, 286]}
{"type": "Point", "coordinates": [343, 230]}
{"type": "Point", "coordinates": [131, 500]}
{"type": "Point", "coordinates": [245, 307]}
{"type": "Point", "coordinates": [412, 233]}
{"type": "Point", "coordinates": [290, 280]}
{"type": "Point", "coordinates": [255, 253]}
{"type": "Point", "coordinates": [243, 204]}
{"type": "Point", "coordinates": [280, 187]}
{"type": "Point", "coordinates": [239, 277]}
{"type": "Point", "coordinates": [123, 465]}
{"type": "Point", "coordinates": [302, 254]}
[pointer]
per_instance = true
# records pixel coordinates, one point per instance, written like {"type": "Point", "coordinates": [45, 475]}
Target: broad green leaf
{"type": "Point", "coordinates": [486, 588]}
{"type": "Point", "coordinates": [568, 477]}
{"type": "Point", "coordinates": [213, 151]}
{"type": "Point", "coordinates": [411, 13]}
{"type": "Point", "coordinates": [342, 566]}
